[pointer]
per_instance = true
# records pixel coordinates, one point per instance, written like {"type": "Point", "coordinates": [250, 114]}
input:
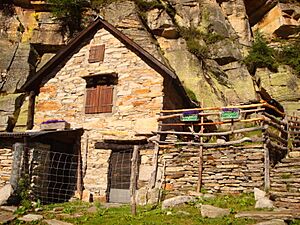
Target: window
{"type": "Point", "coordinates": [99, 93]}
{"type": "Point", "coordinates": [96, 53]}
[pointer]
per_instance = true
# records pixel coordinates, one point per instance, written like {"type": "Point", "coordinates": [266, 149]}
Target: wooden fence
{"type": "Point", "coordinates": [294, 132]}
{"type": "Point", "coordinates": [214, 127]}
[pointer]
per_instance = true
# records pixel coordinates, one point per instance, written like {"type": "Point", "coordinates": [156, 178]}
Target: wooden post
{"type": "Point", "coordinates": [18, 151]}
{"type": "Point", "coordinates": [200, 166]}
{"type": "Point", "coordinates": [30, 115]}
{"type": "Point", "coordinates": [133, 179]}
{"type": "Point", "coordinates": [79, 168]}
{"type": "Point", "coordinates": [152, 180]}
{"type": "Point", "coordinates": [267, 160]}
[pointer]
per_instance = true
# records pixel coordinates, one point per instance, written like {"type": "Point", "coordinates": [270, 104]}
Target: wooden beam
{"type": "Point", "coordinates": [245, 130]}
{"type": "Point", "coordinates": [215, 108]}
{"type": "Point", "coordinates": [133, 179]}
{"type": "Point", "coordinates": [30, 115]}
{"type": "Point", "coordinates": [266, 162]}
{"type": "Point", "coordinates": [207, 114]}
{"type": "Point", "coordinates": [77, 149]}
{"type": "Point", "coordinates": [214, 123]}
{"type": "Point", "coordinates": [200, 166]}
{"type": "Point", "coordinates": [276, 137]}
{"type": "Point", "coordinates": [275, 125]}
{"type": "Point", "coordinates": [209, 145]}
{"type": "Point", "coordinates": [274, 119]}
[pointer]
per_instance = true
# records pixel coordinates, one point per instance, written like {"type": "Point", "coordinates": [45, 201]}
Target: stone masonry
{"type": "Point", "coordinates": [6, 158]}
{"type": "Point", "coordinates": [138, 97]}
{"type": "Point", "coordinates": [225, 170]}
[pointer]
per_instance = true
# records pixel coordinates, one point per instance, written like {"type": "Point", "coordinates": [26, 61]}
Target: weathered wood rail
{"type": "Point", "coordinates": [209, 129]}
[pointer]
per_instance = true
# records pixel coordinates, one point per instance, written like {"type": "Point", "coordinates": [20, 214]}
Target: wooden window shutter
{"type": "Point", "coordinates": [106, 98]}
{"type": "Point", "coordinates": [96, 53]}
{"type": "Point", "coordinates": [99, 99]}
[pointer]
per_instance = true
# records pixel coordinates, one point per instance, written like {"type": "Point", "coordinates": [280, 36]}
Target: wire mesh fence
{"type": "Point", "coordinates": [52, 175]}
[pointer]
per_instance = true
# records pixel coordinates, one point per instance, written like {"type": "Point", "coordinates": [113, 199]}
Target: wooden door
{"type": "Point", "coordinates": [119, 176]}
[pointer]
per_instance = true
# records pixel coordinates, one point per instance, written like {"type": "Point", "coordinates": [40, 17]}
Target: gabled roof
{"type": "Point", "coordinates": [46, 72]}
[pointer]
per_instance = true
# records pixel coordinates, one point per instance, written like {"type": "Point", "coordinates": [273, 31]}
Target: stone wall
{"type": "Point", "coordinates": [138, 97]}
{"type": "Point", "coordinates": [6, 159]}
{"type": "Point", "coordinates": [225, 170]}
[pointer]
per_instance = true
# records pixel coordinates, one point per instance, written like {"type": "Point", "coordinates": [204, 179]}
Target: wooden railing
{"type": "Point", "coordinates": [294, 132]}
{"type": "Point", "coordinates": [209, 129]}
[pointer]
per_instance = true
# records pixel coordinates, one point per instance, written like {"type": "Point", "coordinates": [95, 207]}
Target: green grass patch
{"type": "Point", "coordinates": [149, 215]}
{"type": "Point", "coordinates": [236, 203]}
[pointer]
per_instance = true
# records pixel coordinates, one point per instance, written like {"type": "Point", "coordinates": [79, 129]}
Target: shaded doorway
{"type": "Point", "coordinates": [119, 176]}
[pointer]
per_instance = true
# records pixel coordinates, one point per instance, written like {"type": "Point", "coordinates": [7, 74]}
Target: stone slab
{"type": "Point", "coordinates": [260, 215]}
{"type": "Point", "coordinates": [56, 222]}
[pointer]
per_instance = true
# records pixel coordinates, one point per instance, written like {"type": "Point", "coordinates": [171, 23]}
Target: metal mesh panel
{"type": "Point", "coordinates": [53, 175]}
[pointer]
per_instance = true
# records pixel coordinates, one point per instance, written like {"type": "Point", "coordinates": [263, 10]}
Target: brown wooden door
{"type": "Point", "coordinates": [119, 176]}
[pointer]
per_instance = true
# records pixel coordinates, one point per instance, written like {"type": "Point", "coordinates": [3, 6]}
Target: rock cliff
{"type": "Point", "coordinates": [204, 42]}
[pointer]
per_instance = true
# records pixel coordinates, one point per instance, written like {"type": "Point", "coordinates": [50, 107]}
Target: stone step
{"type": "Point", "coordinates": [261, 215]}
{"type": "Point", "coordinates": [288, 205]}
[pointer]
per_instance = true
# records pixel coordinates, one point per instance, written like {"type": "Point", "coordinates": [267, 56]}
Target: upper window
{"type": "Point", "coordinates": [99, 93]}
{"type": "Point", "coordinates": [96, 53]}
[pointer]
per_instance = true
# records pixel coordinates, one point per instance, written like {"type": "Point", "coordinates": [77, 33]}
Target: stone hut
{"type": "Point", "coordinates": [105, 83]}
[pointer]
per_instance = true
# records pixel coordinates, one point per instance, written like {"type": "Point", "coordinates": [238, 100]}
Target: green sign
{"type": "Point", "coordinates": [189, 118]}
{"type": "Point", "coordinates": [230, 113]}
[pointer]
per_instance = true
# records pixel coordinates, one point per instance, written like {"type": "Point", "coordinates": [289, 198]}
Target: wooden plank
{"type": "Point", "coordinates": [274, 119]}
{"type": "Point", "coordinates": [266, 161]}
{"type": "Point", "coordinates": [200, 166]}
{"type": "Point", "coordinates": [275, 125]}
{"type": "Point", "coordinates": [206, 114]}
{"type": "Point", "coordinates": [245, 130]}
{"type": "Point", "coordinates": [152, 180]}
{"type": "Point", "coordinates": [210, 145]}
{"type": "Point", "coordinates": [215, 108]}
{"type": "Point", "coordinates": [30, 115]}
{"type": "Point", "coordinates": [79, 169]}
{"type": "Point", "coordinates": [276, 137]}
{"type": "Point", "coordinates": [274, 145]}
{"type": "Point", "coordinates": [213, 123]}
{"type": "Point", "coordinates": [133, 179]}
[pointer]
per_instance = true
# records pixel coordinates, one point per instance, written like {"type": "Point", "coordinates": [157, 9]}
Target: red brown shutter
{"type": "Point", "coordinates": [99, 99]}
{"type": "Point", "coordinates": [106, 98]}
{"type": "Point", "coordinates": [90, 102]}
{"type": "Point", "coordinates": [96, 53]}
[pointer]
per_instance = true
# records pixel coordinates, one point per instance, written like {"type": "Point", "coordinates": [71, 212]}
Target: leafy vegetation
{"type": "Point", "coordinates": [69, 13]}
{"type": "Point", "coordinates": [261, 55]}
{"type": "Point", "coordinates": [290, 55]}
{"type": "Point", "coordinates": [148, 5]}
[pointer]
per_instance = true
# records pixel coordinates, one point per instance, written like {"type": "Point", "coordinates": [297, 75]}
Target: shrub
{"type": "Point", "coordinates": [148, 5]}
{"type": "Point", "coordinates": [69, 13]}
{"type": "Point", "coordinates": [290, 55]}
{"type": "Point", "coordinates": [260, 55]}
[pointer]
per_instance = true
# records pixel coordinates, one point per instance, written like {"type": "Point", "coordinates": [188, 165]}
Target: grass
{"type": "Point", "coordinates": [149, 215]}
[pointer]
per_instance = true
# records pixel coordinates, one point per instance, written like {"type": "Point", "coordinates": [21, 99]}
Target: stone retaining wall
{"type": "Point", "coordinates": [226, 170]}
{"type": "Point", "coordinates": [6, 159]}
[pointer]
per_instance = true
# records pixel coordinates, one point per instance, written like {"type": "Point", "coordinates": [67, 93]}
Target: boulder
{"type": "Point", "coordinates": [31, 217]}
{"type": "Point", "coordinates": [175, 201]}
{"type": "Point", "coordinates": [5, 193]}
{"type": "Point", "coordinates": [261, 200]}
{"type": "Point", "coordinates": [213, 212]}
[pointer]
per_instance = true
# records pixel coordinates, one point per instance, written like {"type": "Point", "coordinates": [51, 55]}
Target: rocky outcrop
{"type": "Point", "coordinates": [284, 86]}
{"type": "Point", "coordinates": [282, 20]}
